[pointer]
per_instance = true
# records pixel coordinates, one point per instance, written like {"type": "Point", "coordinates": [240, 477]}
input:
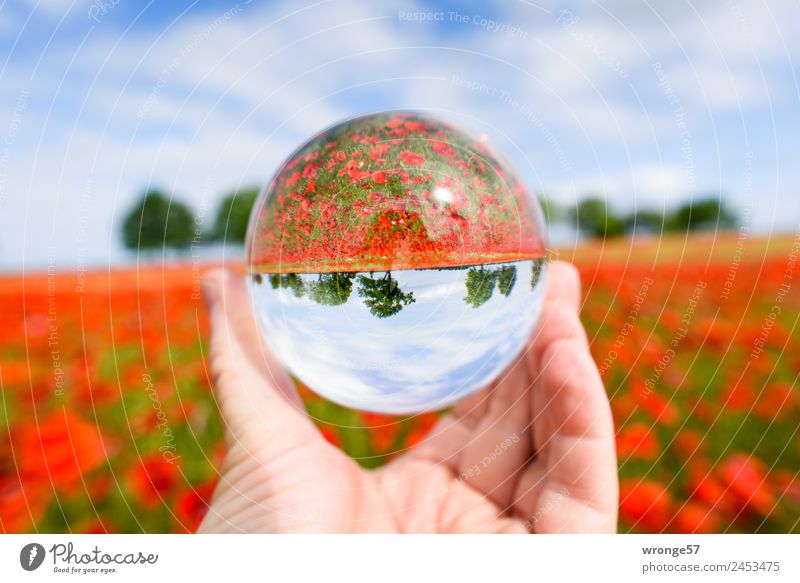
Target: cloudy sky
{"type": "Point", "coordinates": [646, 103]}
{"type": "Point", "coordinates": [441, 347]}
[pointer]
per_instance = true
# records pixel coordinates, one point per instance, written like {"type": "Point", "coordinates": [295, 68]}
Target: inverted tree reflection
{"type": "Point", "coordinates": [382, 294]}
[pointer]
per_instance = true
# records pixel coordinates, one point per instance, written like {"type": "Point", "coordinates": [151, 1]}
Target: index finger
{"type": "Point", "coordinates": [573, 426]}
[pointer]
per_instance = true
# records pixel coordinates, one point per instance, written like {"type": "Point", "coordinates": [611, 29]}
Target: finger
{"type": "Point", "coordinates": [563, 288]}
{"type": "Point", "coordinates": [558, 322]}
{"type": "Point", "coordinates": [471, 437]}
{"type": "Point", "coordinates": [577, 429]}
{"type": "Point", "coordinates": [501, 441]}
{"type": "Point", "coordinates": [486, 439]}
{"type": "Point", "coordinates": [565, 284]}
{"type": "Point", "coordinates": [573, 426]}
{"type": "Point", "coordinates": [252, 389]}
{"type": "Point", "coordinates": [569, 396]}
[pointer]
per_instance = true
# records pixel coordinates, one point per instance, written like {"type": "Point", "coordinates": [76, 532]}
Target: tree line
{"type": "Point", "coordinates": [158, 221]}
{"type": "Point", "coordinates": [593, 217]}
{"type": "Point", "coordinates": [382, 294]}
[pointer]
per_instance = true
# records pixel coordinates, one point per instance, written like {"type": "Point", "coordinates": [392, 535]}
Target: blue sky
{"type": "Point", "coordinates": [645, 104]}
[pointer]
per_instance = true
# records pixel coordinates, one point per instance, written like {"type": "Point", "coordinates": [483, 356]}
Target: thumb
{"type": "Point", "coordinates": [255, 395]}
{"type": "Point", "coordinates": [559, 319]}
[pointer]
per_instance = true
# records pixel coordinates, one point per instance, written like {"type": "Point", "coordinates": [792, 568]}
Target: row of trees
{"type": "Point", "coordinates": [594, 218]}
{"type": "Point", "coordinates": [159, 221]}
{"type": "Point", "coordinates": [382, 294]}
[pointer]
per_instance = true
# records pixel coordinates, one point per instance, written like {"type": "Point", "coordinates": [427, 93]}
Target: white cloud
{"type": "Point", "coordinates": [643, 185]}
{"type": "Point", "coordinates": [717, 86]}
{"type": "Point", "coordinates": [224, 99]}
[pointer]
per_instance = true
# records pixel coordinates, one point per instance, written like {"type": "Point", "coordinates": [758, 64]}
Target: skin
{"type": "Point", "coordinates": [548, 417]}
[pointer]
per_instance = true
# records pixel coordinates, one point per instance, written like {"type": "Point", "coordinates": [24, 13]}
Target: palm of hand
{"type": "Point", "coordinates": [532, 453]}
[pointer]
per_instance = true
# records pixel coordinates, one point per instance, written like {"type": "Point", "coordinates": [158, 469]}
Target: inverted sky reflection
{"type": "Point", "coordinates": [430, 354]}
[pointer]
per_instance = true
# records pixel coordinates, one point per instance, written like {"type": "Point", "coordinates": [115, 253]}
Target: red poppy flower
{"type": "Point", "coordinates": [637, 440]}
{"type": "Point", "coordinates": [153, 479]}
{"type": "Point", "coordinates": [59, 449]}
{"type": "Point", "coordinates": [645, 504]}
{"type": "Point", "coordinates": [379, 151]}
{"type": "Point", "coordinates": [411, 158]}
{"type": "Point", "coordinates": [787, 482]}
{"type": "Point", "coordinates": [705, 487]}
{"type": "Point", "coordinates": [422, 425]}
{"type": "Point", "coordinates": [382, 430]}
{"type": "Point", "coordinates": [777, 401]}
{"type": "Point", "coordinates": [192, 505]}
{"type": "Point", "coordinates": [746, 477]}
{"type": "Point", "coordinates": [96, 526]}
{"type": "Point", "coordinates": [331, 434]}
{"type": "Point", "coordinates": [415, 126]}
{"type": "Point", "coordinates": [661, 409]}
{"type": "Point", "coordinates": [444, 149]}
{"type": "Point", "coordinates": [739, 396]}
{"type": "Point", "coordinates": [693, 518]}
{"type": "Point", "coordinates": [22, 507]}
{"type": "Point", "coordinates": [688, 442]}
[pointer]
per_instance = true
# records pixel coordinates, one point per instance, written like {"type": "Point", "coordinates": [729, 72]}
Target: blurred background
{"type": "Point", "coordinates": [134, 138]}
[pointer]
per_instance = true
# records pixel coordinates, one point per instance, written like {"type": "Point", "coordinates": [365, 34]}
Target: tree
{"type": "Point", "coordinates": [595, 219]}
{"type": "Point", "coordinates": [290, 281]}
{"type": "Point", "coordinates": [233, 216]}
{"type": "Point", "coordinates": [706, 213]}
{"type": "Point", "coordinates": [480, 285]}
{"type": "Point", "coordinates": [537, 268]}
{"type": "Point", "coordinates": [331, 289]}
{"type": "Point", "coordinates": [383, 296]}
{"type": "Point", "coordinates": [158, 222]}
{"type": "Point", "coordinates": [506, 278]}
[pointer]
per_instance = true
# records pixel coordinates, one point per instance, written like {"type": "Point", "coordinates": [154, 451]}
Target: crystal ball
{"type": "Point", "coordinates": [396, 263]}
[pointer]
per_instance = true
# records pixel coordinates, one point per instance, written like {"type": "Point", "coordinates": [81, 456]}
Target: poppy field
{"type": "Point", "coordinates": [393, 191]}
{"type": "Point", "coordinates": [108, 422]}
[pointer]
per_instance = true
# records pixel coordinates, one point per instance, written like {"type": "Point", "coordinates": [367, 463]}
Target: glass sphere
{"type": "Point", "coordinates": [396, 264]}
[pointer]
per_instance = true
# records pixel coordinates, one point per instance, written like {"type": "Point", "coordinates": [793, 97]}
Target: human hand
{"type": "Point", "coordinates": [534, 452]}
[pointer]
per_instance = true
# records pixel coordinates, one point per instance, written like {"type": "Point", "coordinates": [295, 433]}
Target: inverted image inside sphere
{"type": "Point", "coordinates": [396, 264]}
{"type": "Point", "coordinates": [402, 341]}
